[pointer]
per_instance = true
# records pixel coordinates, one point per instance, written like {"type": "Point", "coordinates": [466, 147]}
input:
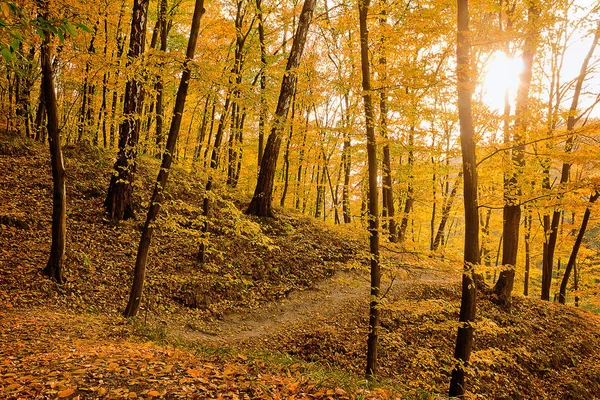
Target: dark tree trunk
{"type": "Point", "coordinates": [464, 338]}
{"type": "Point", "coordinates": [562, 295]}
{"type": "Point", "coordinates": [263, 82]}
{"type": "Point", "coordinates": [527, 237]}
{"type": "Point", "coordinates": [263, 194]}
{"type": "Point", "coordinates": [347, 163]}
{"type": "Point", "coordinates": [119, 200]}
{"type": "Point", "coordinates": [202, 130]}
{"type": "Point", "coordinates": [566, 168]}
{"type": "Point", "coordinates": [299, 175]}
{"type": "Point", "coordinates": [161, 181]}
{"type": "Point", "coordinates": [446, 207]}
{"type": "Point", "coordinates": [88, 93]}
{"type": "Point", "coordinates": [373, 336]}
{"type": "Point", "coordinates": [40, 117]}
{"type": "Point", "coordinates": [55, 266]}
{"type": "Point", "coordinates": [512, 191]}
{"type": "Point", "coordinates": [286, 155]}
{"type": "Point", "coordinates": [162, 15]}
{"type": "Point", "coordinates": [387, 192]}
{"type": "Point", "coordinates": [103, 112]}
{"type": "Point", "coordinates": [408, 204]}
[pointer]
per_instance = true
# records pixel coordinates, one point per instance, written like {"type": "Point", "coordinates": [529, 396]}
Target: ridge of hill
{"type": "Point", "coordinates": [278, 310]}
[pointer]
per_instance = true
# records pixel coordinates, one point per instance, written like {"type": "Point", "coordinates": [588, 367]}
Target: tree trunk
{"type": "Point", "coordinates": [562, 295]}
{"type": "Point", "coordinates": [528, 221]}
{"type": "Point", "coordinates": [162, 15]}
{"type": "Point", "coordinates": [446, 207]}
{"type": "Point", "coordinates": [512, 192]}
{"type": "Point", "coordinates": [161, 181]}
{"type": "Point", "coordinates": [373, 337]}
{"type": "Point", "coordinates": [286, 154]}
{"type": "Point", "coordinates": [464, 338]}
{"type": "Point", "coordinates": [202, 130]}
{"type": "Point", "coordinates": [347, 162]}
{"type": "Point", "coordinates": [299, 175]}
{"type": "Point", "coordinates": [566, 168]}
{"type": "Point", "coordinates": [263, 194]}
{"type": "Point", "coordinates": [119, 200]}
{"type": "Point", "coordinates": [87, 92]}
{"type": "Point", "coordinates": [408, 204]}
{"type": "Point", "coordinates": [55, 266]}
{"type": "Point", "coordinates": [263, 82]}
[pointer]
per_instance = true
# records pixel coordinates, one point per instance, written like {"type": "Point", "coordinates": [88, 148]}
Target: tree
{"type": "Point", "coordinates": [55, 266]}
{"type": "Point", "coordinates": [464, 337]}
{"type": "Point", "coordinates": [161, 181]}
{"type": "Point", "coordinates": [572, 119]}
{"type": "Point", "coordinates": [373, 338]}
{"type": "Point", "coordinates": [513, 190]}
{"type": "Point", "coordinates": [263, 193]}
{"type": "Point", "coordinates": [119, 200]}
{"type": "Point", "coordinates": [562, 296]}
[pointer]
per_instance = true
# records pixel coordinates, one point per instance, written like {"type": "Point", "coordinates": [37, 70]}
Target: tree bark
{"type": "Point", "coordinates": [408, 204]}
{"type": "Point", "coordinates": [373, 336]}
{"type": "Point", "coordinates": [548, 259]}
{"type": "Point", "coordinates": [55, 266]}
{"type": "Point", "coordinates": [161, 181]}
{"type": "Point", "coordinates": [562, 295]}
{"type": "Point", "coordinates": [512, 192]}
{"type": "Point", "coordinates": [446, 207]}
{"type": "Point", "coordinates": [263, 82]}
{"type": "Point", "coordinates": [286, 155]}
{"type": "Point", "coordinates": [464, 337]}
{"type": "Point", "coordinates": [263, 193]}
{"type": "Point", "coordinates": [119, 200]}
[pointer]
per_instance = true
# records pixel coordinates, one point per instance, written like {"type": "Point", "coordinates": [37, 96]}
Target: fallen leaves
{"type": "Point", "coordinates": [55, 363]}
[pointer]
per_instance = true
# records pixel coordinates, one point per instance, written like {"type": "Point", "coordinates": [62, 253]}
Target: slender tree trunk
{"type": "Point", "coordinates": [387, 192]}
{"type": "Point", "coordinates": [464, 338]}
{"type": "Point", "coordinates": [566, 168]}
{"type": "Point", "coordinates": [55, 266]}
{"type": "Point", "coordinates": [373, 337]}
{"type": "Point", "coordinates": [161, 181]}
{"type": "Point", "coordinates": [88, 92]}
{"type": "Point", "coordinates": [446, 207]}
{"type": "Point", "coordinates": [562, 296]}
{"type": "Point", "coordinates": [162, 15]}
{"type": "Point", "coordinates": [202, 130]}
{"type": "Point", "coordinates": [263, 194]}
{"type": "Point", "coordinates": [528, 221]}
{"type": "Point", "coordinates": [347, 162]}
{"type": "Point", "coordinates": [263, 83]}
{"type": "Point", "coordinates": [512, 207]}
{"type": "Point", "coordinates": [210, 130]}
{"type": "Point", "coordinates": [286, 155]}
{"type": "Point", "coordinates": [119, 200]}
{"type": "Point", "coordinates": [299, 175]}
{"type": "Point", "coordinates": [408, 204]}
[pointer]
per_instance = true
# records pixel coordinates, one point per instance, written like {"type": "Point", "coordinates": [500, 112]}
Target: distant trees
{"type": "Point", "coordinates": [135, 294]}
{"type": "Point", "coordinates": [267, 74]}
{"type": "Point", "coordinates": [119, 202]}
{"type": "Point", "coordinates": [261, 204]}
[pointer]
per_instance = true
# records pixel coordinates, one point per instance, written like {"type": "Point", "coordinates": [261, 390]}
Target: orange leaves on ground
{"type": "Point", "coordinates": [66, 393]}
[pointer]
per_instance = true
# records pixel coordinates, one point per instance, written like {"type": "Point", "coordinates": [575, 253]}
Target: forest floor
{"type": "Point", "coordinates": [278, 310]}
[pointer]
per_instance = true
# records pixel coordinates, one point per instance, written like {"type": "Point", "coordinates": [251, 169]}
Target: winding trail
{"type": "Point", "coordinates": [329, 297]}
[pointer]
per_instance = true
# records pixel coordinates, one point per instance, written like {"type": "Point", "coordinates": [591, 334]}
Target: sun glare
{"type": "Point", "coordinates": [501, 73]}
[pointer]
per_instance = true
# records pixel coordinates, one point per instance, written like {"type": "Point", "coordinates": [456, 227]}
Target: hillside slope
{"type": "Point", "coordinates": [278, 310]}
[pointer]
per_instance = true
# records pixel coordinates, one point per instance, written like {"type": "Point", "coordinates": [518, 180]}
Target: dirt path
{"type": "Point", "coordinates": [328, 298]}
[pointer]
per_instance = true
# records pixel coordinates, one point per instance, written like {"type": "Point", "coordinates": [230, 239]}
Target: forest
{"type": "Point", "coordinates": [300, 199]}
